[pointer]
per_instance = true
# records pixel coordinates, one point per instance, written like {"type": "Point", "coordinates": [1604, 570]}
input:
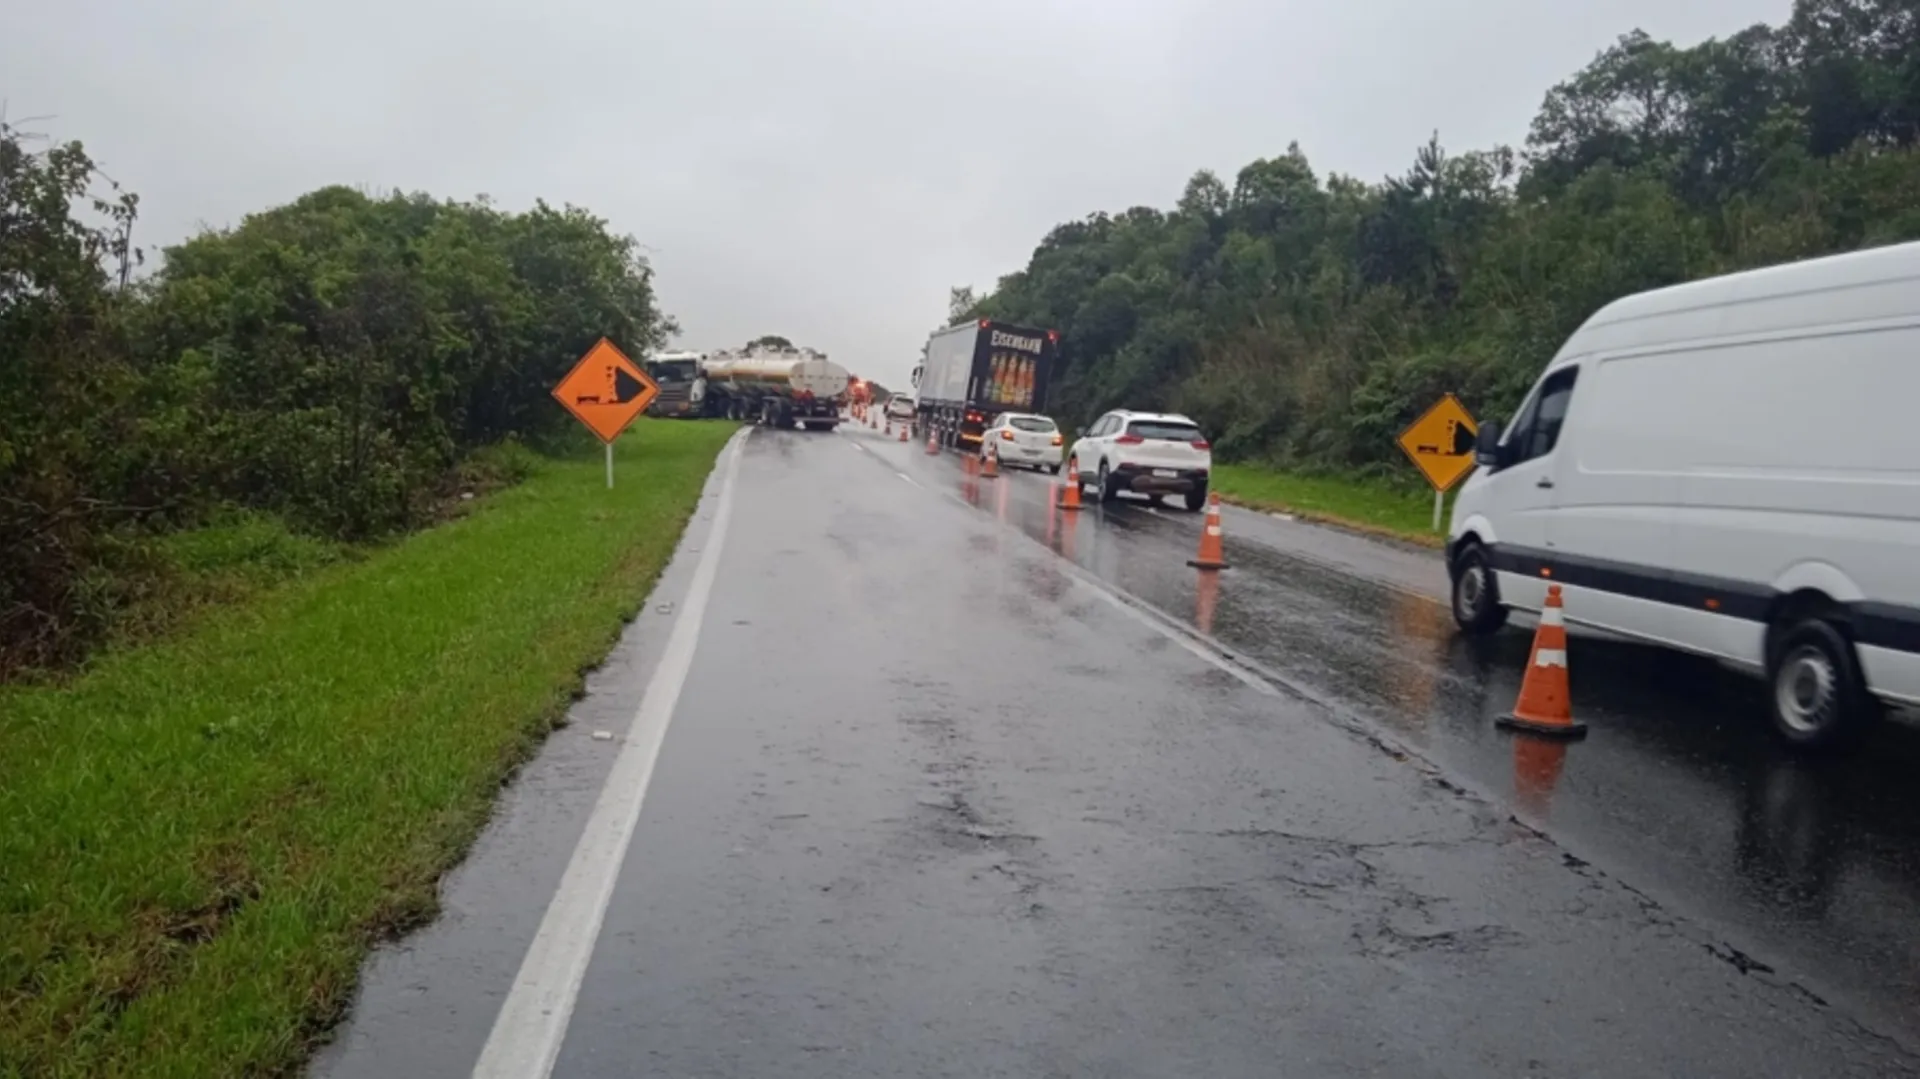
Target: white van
{"type": "Point", "coordinates": [1730, 467]}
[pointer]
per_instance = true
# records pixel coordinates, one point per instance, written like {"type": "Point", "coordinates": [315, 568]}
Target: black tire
{"type": "Point", "coordinates": [1197, 499]}
{"type": "Point", "coordinates": [1109, 490]}
{"type": "Point", "coordinates": [1814, 690]}
{"type": "Point", "coordinates": [1055, 469]}
{"type": "Point", "coordinates": [1476, 605]}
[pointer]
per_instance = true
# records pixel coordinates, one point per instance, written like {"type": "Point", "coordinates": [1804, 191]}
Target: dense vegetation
{"type": "Point", "coordinates": [203, 836]}
{"type": "Point", "coordinates": [329, 363]}
{"type": "Point", "coordinates": [1304, 320]}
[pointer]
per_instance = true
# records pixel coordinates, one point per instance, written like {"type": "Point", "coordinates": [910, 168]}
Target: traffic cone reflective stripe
{"type": "Point", "coordinates": [1546, 703]}
{"type": "Point", "coordinates": [1212, 555]}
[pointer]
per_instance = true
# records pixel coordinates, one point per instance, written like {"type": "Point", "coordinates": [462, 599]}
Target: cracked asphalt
{"type": "Point", "coordinates": [960, 784]}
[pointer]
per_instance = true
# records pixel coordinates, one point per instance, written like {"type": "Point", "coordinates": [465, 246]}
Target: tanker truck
{"type": "Point", "coordinates": [778, 387]}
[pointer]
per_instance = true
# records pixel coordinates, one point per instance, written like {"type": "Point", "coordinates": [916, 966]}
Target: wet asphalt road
{"type": "Point", "coordinates": [936, 802]}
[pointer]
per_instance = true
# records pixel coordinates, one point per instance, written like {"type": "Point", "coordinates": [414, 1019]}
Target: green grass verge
{"type": "Point", "coordinates": [203, 836]}
{"type": "Point", "coordinates": [1366, 505]}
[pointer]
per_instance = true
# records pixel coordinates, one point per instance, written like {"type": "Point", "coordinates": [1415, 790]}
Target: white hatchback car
{"type": "Point", "coordinates": [1153, 453]}
{"type": "Point", "coordinates": [900, 407]}
{"type": "Point", "coordinates": [1023, 438]}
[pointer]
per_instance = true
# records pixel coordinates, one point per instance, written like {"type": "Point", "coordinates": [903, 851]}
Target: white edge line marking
{"type": "Point", "coordinates": [532, 1022]}
{"type": "Point", "coordinates": [1248, 678]}
{"type": "Point", "coordinates": [911, 480]}
{"type": "Point", "coordinates": [1099, 588]}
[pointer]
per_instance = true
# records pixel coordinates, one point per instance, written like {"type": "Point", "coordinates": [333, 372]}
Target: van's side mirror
{"type": "Point", "coordinates": [1486, 446]}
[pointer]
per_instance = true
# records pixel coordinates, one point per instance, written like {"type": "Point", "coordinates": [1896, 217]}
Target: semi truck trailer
{"type": "Point", "coordinates": [779, 387]}
{"type": "Point", "coordinates": [977, 370]}
{"type": "Point", "coordinates": [790, 387]}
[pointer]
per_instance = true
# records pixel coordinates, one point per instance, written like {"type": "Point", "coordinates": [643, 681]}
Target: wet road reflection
{"type": "Point", "coordinates": [1680, 788]}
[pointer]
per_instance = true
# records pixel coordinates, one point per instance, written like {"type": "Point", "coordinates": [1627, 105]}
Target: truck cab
{"type": "Point", "coordinates": [682, 382]}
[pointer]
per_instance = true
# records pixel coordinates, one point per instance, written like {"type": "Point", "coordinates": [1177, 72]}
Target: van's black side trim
{"type": "Point", "coordinates": [1886, 625]}
{"type": "Point", "coordinates": [1883, 625]}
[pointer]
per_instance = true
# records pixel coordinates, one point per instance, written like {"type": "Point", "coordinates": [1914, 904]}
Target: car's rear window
{"type": "Point", "coordinates": [1032, 423]}
{"type": "Point", "coordinates": [1171, 432]}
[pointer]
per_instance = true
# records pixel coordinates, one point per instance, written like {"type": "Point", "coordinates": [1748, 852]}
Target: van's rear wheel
{"type": "Point", "coordinates": [1814, 688]}
{"type": "Point", "coordinates": [1476, 595]}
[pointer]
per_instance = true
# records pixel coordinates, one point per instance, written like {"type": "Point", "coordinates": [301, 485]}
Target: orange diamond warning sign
{"type": "Point", "coordinates": [606, 391]}
{"type": "Point", "coordinates": [1440, 442]}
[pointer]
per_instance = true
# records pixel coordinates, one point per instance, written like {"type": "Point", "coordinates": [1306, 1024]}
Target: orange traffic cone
{"type": "Point", "coordinates": [1211, 555]}
{"type": "Point", "coordinates": [1070, 494]}
{"type": "Point", "coordinates": [903, 432]}
{"type": "Point", "coordinates": [991, 468]}
{"type": "Point", "coordinates": [889, 429]}
{"type": "Point", "coordinates": [1545, 704]}
{"type": "Point", "coordinates": [933, 443]}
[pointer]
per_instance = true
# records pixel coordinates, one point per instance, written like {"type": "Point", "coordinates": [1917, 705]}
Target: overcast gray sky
{"type": "Point", "coordinates": [822, 169]}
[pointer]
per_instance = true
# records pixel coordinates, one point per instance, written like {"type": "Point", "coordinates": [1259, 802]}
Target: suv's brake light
{"type": "Point", "coordinates": [1201, 444]}
{"type": "Point", "coordinates": [1057, 440]}
{"type": "Point", "coordinates": [1129, 440]}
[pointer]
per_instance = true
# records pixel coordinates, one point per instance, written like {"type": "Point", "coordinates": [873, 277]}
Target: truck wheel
{"type": "Point", "coordinates": [1109, 490]}
{"type": "Point", "coordinates": [1815, 691]}
{"type": "Point", "coordinates": [1476, 594]}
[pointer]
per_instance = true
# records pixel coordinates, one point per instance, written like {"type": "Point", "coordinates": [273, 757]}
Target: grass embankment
{"type": "Point", "coordinates": [1376, 507]}
{"type": "Point", "coordinates": [204, 835]}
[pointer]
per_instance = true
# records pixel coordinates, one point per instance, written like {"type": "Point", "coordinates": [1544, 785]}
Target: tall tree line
{"type": "Point", "coordinates": [330, 361]}
{"type": "Point", "coordinates": [1305, 319]}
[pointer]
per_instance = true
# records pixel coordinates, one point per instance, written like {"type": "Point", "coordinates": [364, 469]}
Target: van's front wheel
{"type": "Point", "coordinates": [1476, 596]}
{"type": "Point", "coordinates": [1814, 689]}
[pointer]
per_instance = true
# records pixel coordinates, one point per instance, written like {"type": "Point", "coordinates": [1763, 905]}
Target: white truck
{"type": "Point", "coordinates": [778, 387]}
{"type": "Point", "coordinates": [682, 382]}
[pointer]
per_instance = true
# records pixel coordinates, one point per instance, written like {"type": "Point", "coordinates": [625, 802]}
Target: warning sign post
{"type": "Point", "coordinates": [606, 392]}
{"type": "Point", "coordinates": [1440, 444]}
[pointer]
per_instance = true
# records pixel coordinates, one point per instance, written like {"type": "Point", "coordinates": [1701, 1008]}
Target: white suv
{"type": "Point", "coordinates": [1153, 453]}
